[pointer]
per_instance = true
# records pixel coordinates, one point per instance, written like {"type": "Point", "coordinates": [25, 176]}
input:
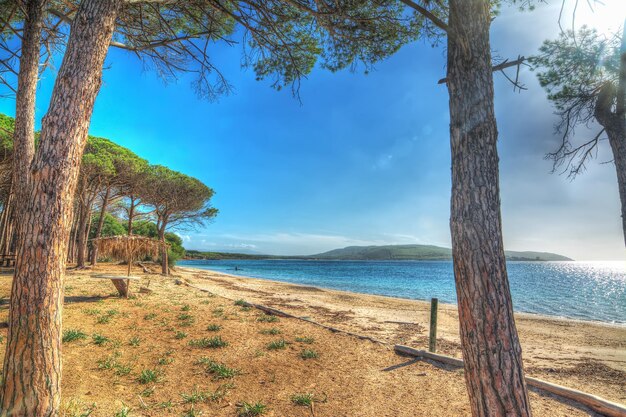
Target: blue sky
{"type": "Point", "coordinates": [364, 159]}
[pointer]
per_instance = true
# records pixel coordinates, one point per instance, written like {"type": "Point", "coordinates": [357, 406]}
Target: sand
{"type": "Point", "coordinates": [349, 377]}
{"type": "Point", "coordinates": [584, 355]}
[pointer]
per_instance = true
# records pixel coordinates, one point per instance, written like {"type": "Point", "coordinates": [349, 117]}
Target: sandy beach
{"type": "Point", "coordinates": [584, 355]}
{"type": "Point", "coordinates": [172, 349]}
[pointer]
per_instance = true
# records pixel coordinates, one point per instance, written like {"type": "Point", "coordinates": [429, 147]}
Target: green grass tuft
{"type": "Point", "coordinates": [302, 399]}
{"type": "Point", "coordinates": [134, 341]}
{"type": "Point", "coordinates": [241, 303]}
{"type": "Point", "coordinates": [307, 340]}
{"type": "Point", "coordinates": [245, 409]}
{"type": "Point", "coordinates": [186, 319]}
{"type": "Point", "coordinates": [148, 375]}
{"type": "Point", "coordinates": [208, 342]}
{"type": "Point", "coordinates": [214, 327]}
{"type": "Point", "coordinates": [273, 331]}
{"type": "Point", "coordinates": [221, 371]}
{"type": "Point", "coordinates": [180, 335]}
{"type": "Point", "coordinates": [277, 344]}
{"type": "Point", "coordinates": [150, 316]}
{"type": "Point", "coordinates": [267, 318]}
{"type": "Point", "coordinates": [121, 370]}
{"type": "Point", "coordinates": [308, 354]}
{"type": "Point", "coordinates": [71, 335]}
{"type": "Point", "coordinates": [99, 340]}
{"type": "Point", "coordinates": [196, 396]}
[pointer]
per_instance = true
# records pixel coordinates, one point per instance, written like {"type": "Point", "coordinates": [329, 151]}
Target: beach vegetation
{"type": "Point", "coordinates": [208, 342]}
{"type": "Point", "coordinates": [71, 335]}
{"type": "Point", "coordinates": [246, 409]}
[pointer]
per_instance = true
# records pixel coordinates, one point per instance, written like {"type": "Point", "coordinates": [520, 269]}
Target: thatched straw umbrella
{"type": "Point", "coordinates": [127, 248]}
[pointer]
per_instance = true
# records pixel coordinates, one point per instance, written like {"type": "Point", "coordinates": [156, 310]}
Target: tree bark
{"type": "Point", "coordinates": [28, 76]}
{"type": "Point", "coordinates": [32, 363]}
{"type": "Point", "coordinates": [83, 231]}
{"type": "Point", "coordinates": [618, 142]}
{"type": "Point", "coordinates": [610, 112]}
{"type": "Point", "coordinates": [131, 214]}
{"type": "Point", "coordinates": [490, 344]}
{"type": "Point", "coordinates": [164, 256]}
{"type": "Point", "coordinates": [103, 209]}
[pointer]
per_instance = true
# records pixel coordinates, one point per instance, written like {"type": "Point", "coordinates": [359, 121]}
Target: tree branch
{"type": "Point", "coordinates": [503, 65]}
{"type": "Point", "coordinates": [427, 14]}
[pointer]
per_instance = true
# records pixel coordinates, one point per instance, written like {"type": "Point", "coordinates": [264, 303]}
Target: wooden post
{"type": "Point", "coordinates": [432, 343]}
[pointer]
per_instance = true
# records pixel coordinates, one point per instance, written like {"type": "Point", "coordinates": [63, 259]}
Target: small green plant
{"type": "Point", "coordinates": [302, 399]}
{"type": "Point", "coordinates": [1, 339]}
{"type": "Point", "coordinates": [71, 335]}
{"type": "Point", "coordinates": [180, 335]}
{"type": "Point", "coordinates": [192, 413]}
{"type": "Point", "coordinates": [241, 303]}
{"type": "Point", "coordinates": [112, 312]}
{"type": "Point", "coordinates": [134, 341]}
{"type": "Point", "coordinates": [91, 311]}
{"type": "Point", "coordinates": [103, 319]}
{"type": "Point", "coordinates": [277, 344]}
{"type": "Point", "coordinates": [121, 370]}
{"type": "Point", "coordinates": [76, 408]}
{"type": "Point", "coordinates": [196, 396]}
{"type": "Point", "coordinates": [218, 312]}
{"type": "Point", "coordinates": [221, 371]}
{"type": "Point", "coordinates": [245, 409]}
{"type": "Point", "coordinates": [214, 327]}
{"type": "Point", "coordinates": [150, 316]}
{"type": "Point", "coordinates": [308, 354]}
{"type": "Point", "coordinates": [110, 362]}
{"type": "Point", "coordinates": [307, 340]}
{"type": "Point", "coordinates": [208, 342]}
{"type": "Point", "coordinates": [166, 404]}
{"type": "Point", "coordinates": [267, 318]}
{"type": "Point", "coordinates": [186, 307]}
{"type": "Point", "coordinates": [148, 375]}
{"type": "Point", "coordinates": [165, 360]}
{"type": "Point", "coordinates": [124, 412]}
{"type": "Point", "coordinates": [99, 340]}
{"type": "Point", "coordinates": [186, 319]}
{"type": "Point", "coordinates": [273, 331]}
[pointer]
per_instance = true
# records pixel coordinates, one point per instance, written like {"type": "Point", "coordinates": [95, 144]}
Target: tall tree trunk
{"type": "Point", "coordinates": [32, 363]}
{"type": "Point", "coordinates": [72, 243]}
{"type": "Point", "coordinates": [82, 231]}
{"type": "Point", "coordinates": [7, 221]}
{"type": "Point", "coordinates": [610, 112]}
{"type": "Point", "coordinates": [103, 210]}
{"type": "Point", "coordinates": [618, 146]}
{"type": "Point", "coordinates": [164, 256]}
{"type": "Point", "coordinates": [28, 76]}
{"type": "Point", "coordinates": [131, 214]}
{"type": "Point", "coordinates": [618, 143]}
{"type": "Point", "coordinates": [490, 344]}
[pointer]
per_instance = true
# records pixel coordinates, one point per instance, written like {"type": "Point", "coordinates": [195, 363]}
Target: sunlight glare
{"type": "Point", "coordinates": [606, 16]}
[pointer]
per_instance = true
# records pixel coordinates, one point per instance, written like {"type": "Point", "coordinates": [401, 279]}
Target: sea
{"type": "Point", "coordinates": [593, 291]}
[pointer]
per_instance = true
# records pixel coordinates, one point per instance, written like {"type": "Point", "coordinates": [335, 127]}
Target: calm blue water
{"type": "Point", "coordinates": [579, 290]}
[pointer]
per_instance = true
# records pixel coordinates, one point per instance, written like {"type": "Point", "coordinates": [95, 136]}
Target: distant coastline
{"type": "Point", "coordinates": [375, 253]}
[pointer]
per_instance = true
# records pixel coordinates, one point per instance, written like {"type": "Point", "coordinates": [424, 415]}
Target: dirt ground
{"type": "Point", "coordinates": [158, 354]}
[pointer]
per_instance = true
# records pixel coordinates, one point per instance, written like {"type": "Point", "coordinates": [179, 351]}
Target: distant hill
{"type": "Point", "coordinates": [420, 252]}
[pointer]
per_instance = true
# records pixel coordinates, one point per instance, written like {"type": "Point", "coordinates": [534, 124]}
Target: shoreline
{"type": "Point", "coordinates": [584, 355]}
{"type": "Point", "coordinates": [527, 314]}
